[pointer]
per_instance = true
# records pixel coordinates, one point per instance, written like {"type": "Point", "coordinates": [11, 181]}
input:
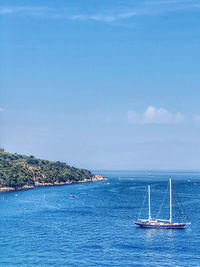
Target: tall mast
{"type": "Point", "coordinates": [170, 187]}
{"type": "Point", "coordinates": [149, 203]}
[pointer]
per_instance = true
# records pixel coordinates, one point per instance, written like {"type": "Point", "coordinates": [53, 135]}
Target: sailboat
{"type": "Point", "coordinates": [160, 223]}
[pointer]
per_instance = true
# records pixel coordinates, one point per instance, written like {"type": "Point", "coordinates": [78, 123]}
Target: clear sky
{"type": "Point", "coordinates": [102, 84]}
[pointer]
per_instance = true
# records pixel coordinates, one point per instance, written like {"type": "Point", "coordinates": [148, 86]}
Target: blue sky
{"type": "Point", "coordinates": [102, 84]}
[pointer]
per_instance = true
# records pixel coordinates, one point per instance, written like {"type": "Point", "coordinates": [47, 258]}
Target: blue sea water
{"type": "Point", "coordinates": [46, 227]}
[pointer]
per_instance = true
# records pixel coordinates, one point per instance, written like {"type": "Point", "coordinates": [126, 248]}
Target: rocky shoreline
{"type": "Point", "coordinates": [96, 177]}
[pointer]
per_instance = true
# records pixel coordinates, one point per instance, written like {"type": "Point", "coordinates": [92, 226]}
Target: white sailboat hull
{"type": "Point", "coordinates": [161, 225]}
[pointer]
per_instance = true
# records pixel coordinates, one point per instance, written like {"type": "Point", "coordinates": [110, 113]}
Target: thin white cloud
{"type": "Point", "coordinates": [1, 110]}
{"type": "Point", "coordinates": [116, 13]}
{"type": "Point", "coordinates": [110, 18]}
{"type": "Point", "coordinates": [62, 14]}
{"type": "Point", "coordinates": [154, 116]}
{"type": "Point", "coordinates": [24, 10]}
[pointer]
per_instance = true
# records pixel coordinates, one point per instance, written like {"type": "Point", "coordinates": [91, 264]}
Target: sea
{"type": "Point", "coordinates": [48, 227]}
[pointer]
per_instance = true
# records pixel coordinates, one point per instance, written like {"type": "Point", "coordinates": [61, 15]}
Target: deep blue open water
{"type": "Point", "coordinates": [46, 227]}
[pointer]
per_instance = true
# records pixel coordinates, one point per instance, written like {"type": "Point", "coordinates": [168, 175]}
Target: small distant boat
{"type": "Point", "coordinates": [149, 173]}
{"type": "Point", "coordinates": [72, 195]}
{"type": "Point", "coordinates": [160, 223]}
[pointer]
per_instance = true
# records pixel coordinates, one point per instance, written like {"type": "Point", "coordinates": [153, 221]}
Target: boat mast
{"type": "Point", "coordinates": [149, 203]}
{"type": "Point", "coordinates": [170, 187]}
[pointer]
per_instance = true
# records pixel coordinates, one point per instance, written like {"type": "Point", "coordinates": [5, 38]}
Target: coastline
{"type": "Point", "coordinates": [95, 177]}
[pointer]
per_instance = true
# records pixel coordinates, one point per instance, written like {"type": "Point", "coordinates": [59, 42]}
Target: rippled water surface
{"type": "Point", "coordinates": [46, 227]}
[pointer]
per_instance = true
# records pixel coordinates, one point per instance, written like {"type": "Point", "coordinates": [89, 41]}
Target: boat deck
{"type": "Point", "coordinates": [161, 225]}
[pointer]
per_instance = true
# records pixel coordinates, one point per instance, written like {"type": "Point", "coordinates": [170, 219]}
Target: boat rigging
{"type": "Point", "coordinates": [160, 223]}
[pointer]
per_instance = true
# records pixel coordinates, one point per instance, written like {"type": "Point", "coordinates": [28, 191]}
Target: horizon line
{"type": "Point", "coordinates": [147, 170]}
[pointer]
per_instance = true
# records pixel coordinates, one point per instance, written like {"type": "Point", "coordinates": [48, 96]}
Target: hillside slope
{"type": "Point", "coordinates": [17, 171]}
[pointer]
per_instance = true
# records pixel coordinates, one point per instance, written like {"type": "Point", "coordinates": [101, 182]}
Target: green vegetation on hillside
{"type": "Point", "coordinates": [17, 171]}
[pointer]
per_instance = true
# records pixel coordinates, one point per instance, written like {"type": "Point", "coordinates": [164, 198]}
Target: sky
{"type": "Point", "coordinates": [102, 84]}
